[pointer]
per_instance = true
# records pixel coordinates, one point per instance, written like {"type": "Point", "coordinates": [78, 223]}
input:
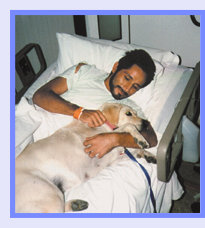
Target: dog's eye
{"type": "Point", "coordinates": [128, 113]}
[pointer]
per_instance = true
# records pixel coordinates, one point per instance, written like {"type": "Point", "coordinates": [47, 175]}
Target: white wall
{"type": "Point", "coordinates": [169, 32]}
{"type": "Point", "coordinates": [41, 29]}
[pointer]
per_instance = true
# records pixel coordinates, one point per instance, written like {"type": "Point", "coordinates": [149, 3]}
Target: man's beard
{"type": "Point", "coordinates": [112, 87]}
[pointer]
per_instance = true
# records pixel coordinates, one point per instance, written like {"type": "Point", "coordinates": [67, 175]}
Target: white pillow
{"type": "Point", "coordinates": [75, 49]}
{"type": "Point", "coordinates": [166, 58]}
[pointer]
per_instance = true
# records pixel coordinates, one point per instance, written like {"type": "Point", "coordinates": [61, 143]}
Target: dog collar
{"type": "Point", "coordinates": [111, 126]}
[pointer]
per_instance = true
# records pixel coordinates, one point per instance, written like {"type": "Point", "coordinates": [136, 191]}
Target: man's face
{"type": "Point", "coordinates": [126, 82]}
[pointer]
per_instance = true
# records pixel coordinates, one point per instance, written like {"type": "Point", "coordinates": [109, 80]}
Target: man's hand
{"type": "Point", "coordinates": [94, 118]}
{"type": "Point", "coordinates": [99, 145]}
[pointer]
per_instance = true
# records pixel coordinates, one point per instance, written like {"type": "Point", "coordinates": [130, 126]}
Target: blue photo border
{"type": "Point", "coordinates": [13, 13]}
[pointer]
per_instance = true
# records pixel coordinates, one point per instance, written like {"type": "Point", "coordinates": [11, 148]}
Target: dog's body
{"type": "Point", "coordinates": [45, 169]}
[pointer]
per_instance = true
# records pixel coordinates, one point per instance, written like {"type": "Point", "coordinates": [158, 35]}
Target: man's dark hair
{"type": "Point", "coordinates": [142, 59]}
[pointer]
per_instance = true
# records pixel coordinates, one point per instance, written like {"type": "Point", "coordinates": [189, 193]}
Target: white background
{"type": "Point", "coordinates": [6, 6]}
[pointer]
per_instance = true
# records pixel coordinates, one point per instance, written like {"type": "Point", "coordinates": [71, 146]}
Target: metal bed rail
{"type": "Point", "coordinates": [25, 69]}
{"type": "Point", "coordinates": [171, 143]}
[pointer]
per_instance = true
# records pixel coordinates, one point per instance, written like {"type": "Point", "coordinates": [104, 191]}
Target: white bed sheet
{"type": "Point", "coordinates": [123, 185]}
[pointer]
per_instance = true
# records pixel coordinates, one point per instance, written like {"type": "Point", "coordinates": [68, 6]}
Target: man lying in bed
{"type": "Point", "coordinates": [67, 94]}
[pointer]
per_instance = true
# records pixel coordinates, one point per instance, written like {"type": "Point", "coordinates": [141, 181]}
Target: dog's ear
{"type": "Point", "coordinates": [111, 112]}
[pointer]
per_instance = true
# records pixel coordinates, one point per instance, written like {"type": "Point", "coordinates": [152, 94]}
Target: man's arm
{"type": "Point", "coordinates": [101, 144]}
{"type": "Point", "coordinates": [48, 97]}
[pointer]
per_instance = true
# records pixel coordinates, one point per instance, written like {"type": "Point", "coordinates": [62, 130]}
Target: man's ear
{"type": "Point", "coordinates": [114, 68]}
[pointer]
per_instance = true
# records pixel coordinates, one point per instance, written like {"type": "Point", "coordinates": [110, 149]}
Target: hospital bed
{"type": "Point", "coordinates": [171, 96]}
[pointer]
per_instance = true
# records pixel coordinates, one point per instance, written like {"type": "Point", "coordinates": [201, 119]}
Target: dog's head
{"type": "Point", "coordinates": [119, 114]}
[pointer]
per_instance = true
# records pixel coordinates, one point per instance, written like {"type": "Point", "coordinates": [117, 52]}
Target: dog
{"type": "Point", "coordinates": [48, 167]}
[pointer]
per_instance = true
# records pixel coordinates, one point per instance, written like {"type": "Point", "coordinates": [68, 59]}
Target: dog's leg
{"type": "Point", "coordinates": [35, 194]}
{"type": "Point", "coordinates": [130, 128]}
{"type": "Point", "coordinates": [75, 205]}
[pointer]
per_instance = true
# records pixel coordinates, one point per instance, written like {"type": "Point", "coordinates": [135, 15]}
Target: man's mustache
{"type": "Point", "coordinates": [123, 92]}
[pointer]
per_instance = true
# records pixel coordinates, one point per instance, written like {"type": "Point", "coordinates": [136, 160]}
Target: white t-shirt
{"type": "Point", "coordinates": [87, 89]}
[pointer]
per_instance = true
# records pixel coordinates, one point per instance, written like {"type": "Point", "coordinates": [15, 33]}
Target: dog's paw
{"type": "Point", "coordinates": [76, 205]}
{"type": "Point", "coordinates": [142, 144]}
{"type": "Point", "coordinates": [79, 205]}
{"type": "Point", "coordinates": [150, 158]}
